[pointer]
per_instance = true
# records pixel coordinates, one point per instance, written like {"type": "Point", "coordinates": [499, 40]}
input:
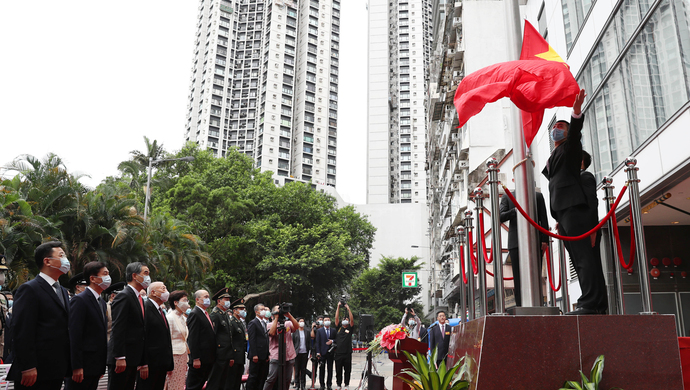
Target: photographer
{"type": "Point", "coordinates": [324, 339]}
{"type": "Point", "coordinates": [343, 350]}
{"type": "Point", "coordinates": [274, 347]}
{"type": "Point", "coordinates": [412, 322]}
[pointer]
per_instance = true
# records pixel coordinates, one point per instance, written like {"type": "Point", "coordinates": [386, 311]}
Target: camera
{"type": "Point", "coordinates": [343, 300]}
{"type": "Point", "coordinates": [332, 347]}
{"type": "Point", "coordinates": [284, 308]}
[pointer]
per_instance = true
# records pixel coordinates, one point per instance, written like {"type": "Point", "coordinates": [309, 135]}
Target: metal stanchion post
{"type": "Point", "coordinates": [499, 301]}
{"type": "Point", "coordinates": [612, 269]}
{"type": "Point", "coordinates": [481, 263]}
{"type": "Point", "coordinates": [470, 273]}
{"type": "Point", "coordinates": [460, 235]}
{"type": "Point", "coordinates": [563, 263]}
{"type": "Point", "coordinates": [550, 293]}
{"type": "Point", "coordinates": [641, 249]}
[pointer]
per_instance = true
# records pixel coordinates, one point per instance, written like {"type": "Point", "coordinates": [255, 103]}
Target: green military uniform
{"type": "Point", "coordinates": [218, 379]}
{"type": "Point", "coordinates": [239, 348]}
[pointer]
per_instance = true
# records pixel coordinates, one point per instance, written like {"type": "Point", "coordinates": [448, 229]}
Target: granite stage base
{"type": "Point", "coordinates": [542, 352]}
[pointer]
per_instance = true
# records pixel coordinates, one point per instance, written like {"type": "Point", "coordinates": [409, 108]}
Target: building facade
{"type": "Point", "coordinates": [265, 81]}
{"type": "Point", "coordinates": [398, 58]}
{"type": "Point", "coordinates": [632, 58]}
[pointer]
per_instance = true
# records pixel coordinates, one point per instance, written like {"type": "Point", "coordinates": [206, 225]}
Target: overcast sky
{"type": "Point", "coordinates": [87, 80]}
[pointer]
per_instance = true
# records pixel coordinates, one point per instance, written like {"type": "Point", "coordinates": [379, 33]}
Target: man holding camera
{"type": "Point", "coordinates": [343, 350]}
{"type": "Point", "coordinates": [273, 347]}
{"type": "Point", "coordinates": [325, 337]}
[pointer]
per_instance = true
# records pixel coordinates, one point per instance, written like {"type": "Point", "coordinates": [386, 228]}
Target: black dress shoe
{"type": "Point", "coordinates": [580, 311]}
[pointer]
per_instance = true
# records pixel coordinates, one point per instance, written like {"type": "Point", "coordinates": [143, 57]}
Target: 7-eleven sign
{"type": "Point", "coordinates": [409, 279]}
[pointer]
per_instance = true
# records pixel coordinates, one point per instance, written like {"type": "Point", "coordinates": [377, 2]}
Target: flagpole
{"type": "Point", "coordinates": [524, 176]}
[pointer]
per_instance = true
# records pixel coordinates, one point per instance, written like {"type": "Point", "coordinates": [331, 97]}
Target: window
{"type": "Point", "coordinates": [574, 14]}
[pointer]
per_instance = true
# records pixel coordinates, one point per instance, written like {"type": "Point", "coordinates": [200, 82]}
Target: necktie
{"type": "Point", "coordinates": [56, 285]}
{"type": "Point", "coordinates": [101, 304]}
{"type": "Point", "coordinates": [209, 318]}
{"type": "Point", "coordinates": [165, 320]}
{"type": "Point", "coordinates": [141, 303]}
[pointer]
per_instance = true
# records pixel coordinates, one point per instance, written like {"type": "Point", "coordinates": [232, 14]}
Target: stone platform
{"type": "Point", "coordinates": [542, 352]}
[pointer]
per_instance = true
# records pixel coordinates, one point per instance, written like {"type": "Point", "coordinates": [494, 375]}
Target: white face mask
{"type": "Point", "coordinates": [346, 322]}
{"type": "Point", "coordinates": [64, 264]}
{"type": "Point", "coordinates": [106, 281]}
{"type": "Point", "coordinates": [146, 282]}
{"type": "Point", "coordinates": [226, 304]}
{"type": "Point", "coordinates": [183, 305]}
{"type": "Point", "coordinates": [207, 302]}
{"type": "Point", "coordinates": [165, 296]}
{"type": "Point", "coordinates": [301, 324]}
{"type": "Point", "coordinates": [327, 323]}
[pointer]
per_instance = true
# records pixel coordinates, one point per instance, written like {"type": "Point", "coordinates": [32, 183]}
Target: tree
{"type": "Point", "coordinates": [379, 291]}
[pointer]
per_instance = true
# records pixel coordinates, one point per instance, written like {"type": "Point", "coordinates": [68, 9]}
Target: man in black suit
{"type": "Point", "coordinates": [41, 312]}
{"type": "Point", "coordinates": [158, 353]}
{"type": "Point", "coordinates": [258, 349]}
{"type": "Point", "coordinates": [221, 322]}
{"type": "Point", "coordinates": [509, 213]}
{"type": "Point", "coordinates": [88, 329]}
{"type": "Point", "coordinates": [201, 342]}
{"type": "Point", "coordinates": [439, 337]}
{"type": "Point", "coordinates": [239, 344]}
{"type": "Point", "coordinates": [324, 338]}
{"type": "Point", "coordinates": [127, 340]}
{"type": "Point", "coordinates": [301, 339]}
{"type": "Point", "coordinates": [570, 208]}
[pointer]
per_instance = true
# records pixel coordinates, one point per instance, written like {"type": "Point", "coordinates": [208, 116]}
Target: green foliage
{"type": "Point", "coordinates": [379, 291]}
{"type": "Point", "coordinates": [426, 376]}
{"type": "Point", "coordinates": [591, 383]}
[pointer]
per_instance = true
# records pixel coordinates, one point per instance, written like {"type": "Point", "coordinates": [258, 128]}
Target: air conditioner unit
{"type": "Point", "coordinates": [456, 186]}
{"type": "Point", "coordinates": [454, 136]}
{"type": "Point", "coordinates": [457, 177]}
{"type": "Point", "coordinates": [463, 164]}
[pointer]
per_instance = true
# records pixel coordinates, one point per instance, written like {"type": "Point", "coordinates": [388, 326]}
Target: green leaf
{"type": "Point", "coordinates": [597, 370]}
{"type": "Point", "coordinates": [572, 385]}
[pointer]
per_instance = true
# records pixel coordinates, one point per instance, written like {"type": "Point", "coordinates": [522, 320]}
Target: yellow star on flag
{"type": "Point", "coordinates": [551, 55]}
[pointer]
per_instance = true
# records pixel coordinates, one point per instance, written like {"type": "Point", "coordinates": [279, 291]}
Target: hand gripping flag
{"type": "Point", "coordinates": [539, 80]}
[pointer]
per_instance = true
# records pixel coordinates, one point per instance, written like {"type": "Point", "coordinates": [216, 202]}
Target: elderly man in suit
{"type": "Point", "coordinates": [127, 340]}
{"type": "Point", "coordinates": [570, 208]}
{"type": "Point", "coordinates": [158, 353]}
{"type": "Point", "coordinates": [258, 348]}
{"type": "Point", "coordinates": [88, 329]}
{"type": "Point", "coordinates": [201, 342]}
{"type": "Point", "coordinates": [221, 322]}
{"type": "Point", "coordinates": [41, 314]}
{"type": "Point", "coordinates": [439, 337]}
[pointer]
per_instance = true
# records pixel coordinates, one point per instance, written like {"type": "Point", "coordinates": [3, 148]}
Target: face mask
{"type": "Point", "coordinates": [64, 264]}
{"type": "Point", "coordinates": [319, 322]}
{"type": "Point", "coordinates": [411, 323]}
{"type": "Point", "coordinates": [165, 296]}
{"type": "Point", "coordinates": [267, 314]}
{"type": "Point", "coordinates": [188, 311]}
{"type": "Point", "coordinates": [243, 313]}
{"type": "Point", "coordinates": [146, 282]}
{"type": "Point", "coordinates": [207, 302]}
{"type": "Point", "coordinates": [106, 281]}
{"type": "Point", "coordinates": [301, 324]}
{"type": "Point", "coordinates": [557, 135]}
{"type": "Point", "coordinates": [226, 304]}
{"type": "Point", "coordinates": [327, 323]}
{"type": "Point", "coordinates": [184, 305]}
{"type": "Point", "coordinates": [346, 322]}
{"type": "Point", "coordinates": [9, 303]}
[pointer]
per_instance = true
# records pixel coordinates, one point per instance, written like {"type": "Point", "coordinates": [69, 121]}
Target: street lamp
{"type": "Point", "coordinates": [148, 178]}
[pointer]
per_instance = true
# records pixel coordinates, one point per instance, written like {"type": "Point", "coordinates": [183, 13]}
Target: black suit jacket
{"type": "Point", "coordinates": [296, 339]}
{"type": "Point", "coordinates": [258, 339]}
{"type": "Point", "coordinates": [440, 341]}
{"type": "Point", "coordinates": [563, 171]}
{"type": "Point", "coordinates": [202, 338]}
{"type": "Point", "coordinates": [41, 336]}
{"type": "Point", "coordinates": [322, 339]}
{"type": "Point", "coordinates": [128, 335]}
{"type": "Point", "coordinates": [239, 340]}
{"type": "Point", "coordinates": [509, 213]}
{"type": "Point", "coordinates": [158, 353]}
{"type": "Point", "coordinates": [88, 333]}
{"type": "Point", "coordinates": [589, 184]}
{"type": "Point", "coordinates": [221, 322]}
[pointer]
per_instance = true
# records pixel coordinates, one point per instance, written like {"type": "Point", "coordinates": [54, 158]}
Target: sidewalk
{"type": "Point", "coordinates": [381, 366]}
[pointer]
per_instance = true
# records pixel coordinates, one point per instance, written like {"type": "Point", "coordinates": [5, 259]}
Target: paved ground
{"type": "Point", "coordinates": [382, 365]}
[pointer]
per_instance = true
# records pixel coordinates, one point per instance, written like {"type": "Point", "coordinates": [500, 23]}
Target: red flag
{"type": "Point", "coordinates": [539, 80]}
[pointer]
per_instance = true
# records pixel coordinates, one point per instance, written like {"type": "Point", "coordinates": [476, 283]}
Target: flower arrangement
{"type": "Point", "coordinates": [388, 339]}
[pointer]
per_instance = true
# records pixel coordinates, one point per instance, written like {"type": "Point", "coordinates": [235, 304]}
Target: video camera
{"type": "Point", "coordinates": [343, 301]}
{"type": "Point", "coordinates": [284, 308]}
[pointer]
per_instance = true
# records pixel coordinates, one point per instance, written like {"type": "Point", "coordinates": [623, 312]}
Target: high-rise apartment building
{"type": "Point", "coordinates": [265, 81]}
{"type": "Point", "coordinates": [398, 54]}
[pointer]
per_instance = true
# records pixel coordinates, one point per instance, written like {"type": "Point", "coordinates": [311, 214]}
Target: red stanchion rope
{"type": "Point", "coordinates": [618, 244]}
{"type": "Point", "coordinates": [566, 238]}
{"type": "Point", "coordinates": [489, 272]}
{"type": "Point", "coordinates": [473, 258]}
{"type": "Point", "coordinates": [487, 259]}
{"type": "Point", "coordinates": [462, 263]}
{"type": "Point", "coordinates": [548, 268]}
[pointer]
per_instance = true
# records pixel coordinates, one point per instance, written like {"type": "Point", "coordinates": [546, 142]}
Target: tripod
{"type": "Point", "coordinates": [282, 375]}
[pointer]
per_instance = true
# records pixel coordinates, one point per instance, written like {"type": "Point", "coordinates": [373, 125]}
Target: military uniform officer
{"type": "Point", "coordinates": [77, 284]}
{"type": "Point", "coordinates": [239, 344]}
{"type": "Point", "coordinates": [218, 379]}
